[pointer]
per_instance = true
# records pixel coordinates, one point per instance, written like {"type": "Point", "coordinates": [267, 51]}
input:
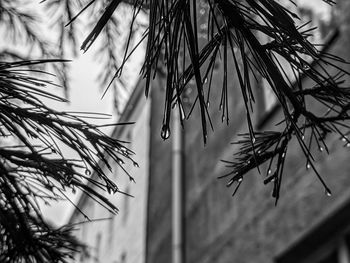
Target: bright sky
{"type": "Point", "coordinates": [84, 95]}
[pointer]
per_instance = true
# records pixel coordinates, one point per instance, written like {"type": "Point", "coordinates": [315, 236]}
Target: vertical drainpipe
{"type": "Point", "coordinates": [178, 243]}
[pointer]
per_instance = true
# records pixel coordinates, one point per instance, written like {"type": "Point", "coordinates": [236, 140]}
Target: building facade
{"type": "Point", "coordinates": [306, 226]}
{"type": "Point", "coordinates": [120, 238]}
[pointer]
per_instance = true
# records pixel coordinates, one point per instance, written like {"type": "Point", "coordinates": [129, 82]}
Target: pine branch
{"type": "Point", "coordinates": [33, 167]}
{"type": "Point", "coordinates": [233, 30]}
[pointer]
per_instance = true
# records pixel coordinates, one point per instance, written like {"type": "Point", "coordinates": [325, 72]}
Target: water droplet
{"type": "Point", "coordinates": [223, 118]}
{"type": "Point", "coordinates": [120, 161]}
{"type": "Point", "coordinates": [348, 144]}
{"type": "Point", "coordinates": [306, 67]}
{"type": "Point", "coordinates": [69, 180]}
{"type": "Point", "coordinates": [321, 148]}
{"type": "Point", "coordinates": [87, 172]}
{"type": "Point", "coordinates": [328, 192]}
{"type": "Point", "coordinates": [123, 149]}
{"type": "Point", "coordinates": [253, 139]}
{"type": "Point", "coordinates": [182, 113]}
{"type": "Point", "coordinates": [344, 139]}
{"type": "Point", "coordinates": [269, 171]}
{"type": "Point", "coordinates": [208, 104]}
{"type": "Point", "coordinates": [308, 166]}
{"type": "Point", "coordinates": [165, 133]}
{"type": "Point", "coordinates": [240, 179]}
{"type": "Point", "coordinates": [136, 164]}
{"type": "Point", "coordinates": [283, 155]}
{"type": "Point", "coordinates": [303, 137]}
{"type": "Point", "coordinates": [230, 183]}
{"type": "Point", "coordinates": [220, 107]}
{"type": "Point", "coordinates": [205, 80]}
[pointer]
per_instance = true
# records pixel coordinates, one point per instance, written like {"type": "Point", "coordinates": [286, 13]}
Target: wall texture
{"type": "Point", "coordinates": [247, 227]}
{"type": "Point", "coordinates": [121, 238]}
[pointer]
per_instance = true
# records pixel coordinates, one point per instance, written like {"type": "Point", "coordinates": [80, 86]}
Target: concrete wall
{"type": "Point", "coordinates": [121, 238]}
{"type": "Point", "coordinates": [247, 227]}
{"type": "Point", "coordinates": [159, 198]}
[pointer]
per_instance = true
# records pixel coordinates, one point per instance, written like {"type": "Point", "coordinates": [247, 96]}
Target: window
{"type": "Point", "coordinates": [328, 242]}
{"type": "Point", "coordinates": [332, 258]}
{"type": "Point", "coordinates": [336, 251]}
{"type": "Point", "coordinates": [339, 254]}
{"type": "Point", "coordinates": [343, 254]}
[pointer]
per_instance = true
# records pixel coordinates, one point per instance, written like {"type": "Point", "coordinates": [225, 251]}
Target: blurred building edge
{"type": "Point", "coordinates": [121, 238]}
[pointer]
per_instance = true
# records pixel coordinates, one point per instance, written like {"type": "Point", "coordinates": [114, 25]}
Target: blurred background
{"type": "Point", "coordinates": [179, 207]}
